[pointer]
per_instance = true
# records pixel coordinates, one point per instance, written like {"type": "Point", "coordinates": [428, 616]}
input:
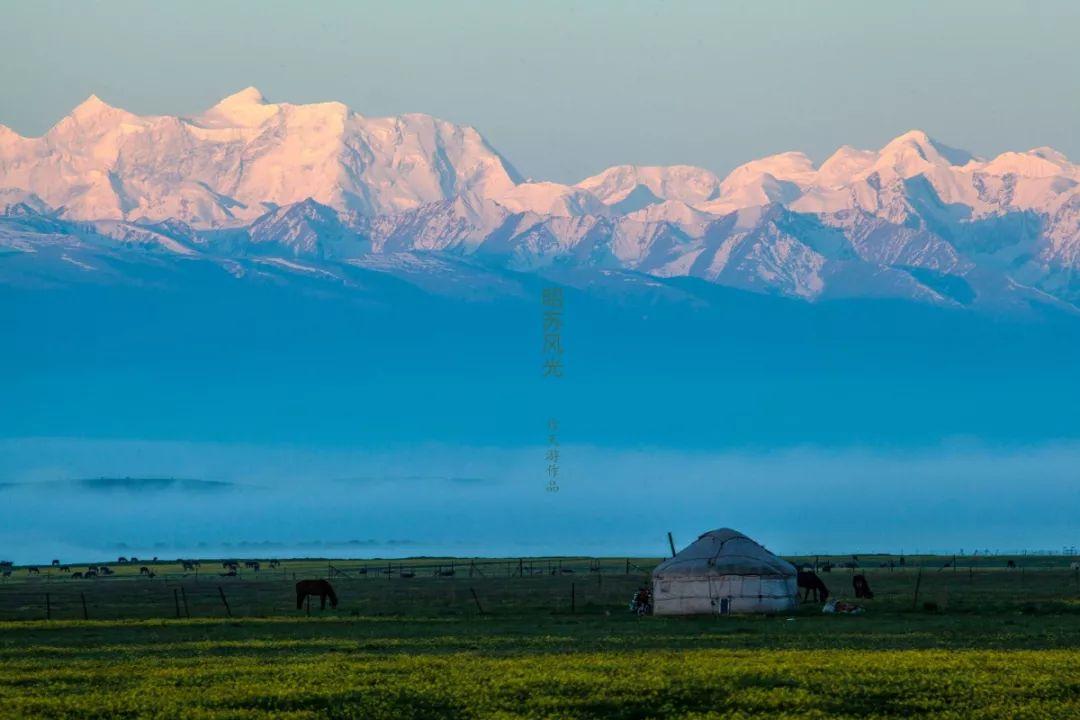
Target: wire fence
{"type": "Point", "coordinates": [363, 587]}
{"type": "Point", "coordinates": [508, 586]}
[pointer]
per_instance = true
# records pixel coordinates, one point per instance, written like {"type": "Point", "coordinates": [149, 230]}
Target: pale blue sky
{"type": "Point", "coordinates": [565, 89]}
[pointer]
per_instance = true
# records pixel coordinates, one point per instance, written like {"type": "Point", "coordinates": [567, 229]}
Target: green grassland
{"type": "Point", "coordinates": [980, 641]}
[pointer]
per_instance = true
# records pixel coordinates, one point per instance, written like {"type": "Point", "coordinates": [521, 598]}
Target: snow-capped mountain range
{"type": "Point", "coordinates": [320, 186]}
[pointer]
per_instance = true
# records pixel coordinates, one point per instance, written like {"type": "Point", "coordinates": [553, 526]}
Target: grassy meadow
{"type": "Point", "coordinates": [515, 640]}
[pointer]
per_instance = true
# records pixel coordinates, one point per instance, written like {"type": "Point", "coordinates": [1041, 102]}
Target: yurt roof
{"type": "Point", "coordinates": [725, 552]}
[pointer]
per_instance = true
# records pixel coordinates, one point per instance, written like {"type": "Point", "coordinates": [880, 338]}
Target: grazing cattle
{"type": "Point", "coordinates": [76, 576]}
{"type": "Point", "coordinates": [322, 588]}
{"type": "Point", "coordinates": [32, 571]}
{"type": "Point", "coordinates": [253, 564]}
{"type": "Point", "coordinates": [144, 570]}
{"type": "Point", "coordinates": [187, 565]}
{"type": "Point", "coordinates": [407, 574]}
{"type": "Point", "coordinates": [274, 563]}
{"type": "Point", "coordinates": [862, 587]}
{"type": "Point", "coordinates": [811, 583]}
{"type": "Point", "coordinates": [1011, 565]}
{"type": "Point", "coordinates": [445, 573]}
{"type": "Point", "coordinates": [90, 573]}
{"type": "Point", "coordinates": [65, 568]}
{"type": "Point", "coordinates": [230, 573]}
{"type": "Point", "coordinates": [105, 570]}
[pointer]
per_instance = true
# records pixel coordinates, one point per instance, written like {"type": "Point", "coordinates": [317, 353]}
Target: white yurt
{"type": "Point", "coordinates": [722, 572]}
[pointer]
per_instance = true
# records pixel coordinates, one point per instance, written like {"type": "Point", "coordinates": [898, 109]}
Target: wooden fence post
{"type": "Point", "coordinates": [183, 594]}
{"type": "Point", "coordinates": [176, 601]}
{"type": "Point", "coordinates": [918, 582]}
{"type": "Point", "coordinates": [85, 615]}
{"type": "Point", "coordinates": [476, 600]}
{"type": "Point", "coordinates": [48, 608]}
{"type": "Point", "coordinates": [225, 601]}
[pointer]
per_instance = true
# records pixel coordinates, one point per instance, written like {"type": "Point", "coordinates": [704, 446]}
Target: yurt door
{"type": "Point", "coordinates": [720, 595]}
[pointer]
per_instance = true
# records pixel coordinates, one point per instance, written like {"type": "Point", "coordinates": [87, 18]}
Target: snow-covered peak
{"type": "Point", "coordinates": [1051, 155]}
{"type": "Point", "coordinates": [91, 118]}
{"type": "Point", "coordinates": [791, 166]}
{"type": "Point", "coordinates": [548, 198]}
{"type": "Point", "coordinates": [684, 183]}
{"type": "Point", "coordinates": [675, 212]}
{"type": "Point", "coordinates": [246, 108]}
{"type": "Point", "coordinates": [844, 164]}
{"type": "Point", "coordinates": [1039, 163]}
{"type": "Point", "coordinates": [250, 95]}
{"type": "Point", "coordinates": [913, 152]}
{"type": "Point", "coordinates": [91, 107]}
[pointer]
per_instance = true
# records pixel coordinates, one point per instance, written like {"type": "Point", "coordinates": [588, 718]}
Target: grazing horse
{"type": "Point", "coordinates": [33, 571]}
{"type": "Point", "coordinates": [315, 587]}
{"type": "Point", "coordinates": [862, 587]}
{"type": "Point", "coordinates": [187, 565]}
{"type": "Point", "coordinates": [812, 584]}
{"type": "Point", "coordinates": [144, 570]}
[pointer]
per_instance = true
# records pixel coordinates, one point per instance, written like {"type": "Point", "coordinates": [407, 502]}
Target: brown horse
{"type": "Point", "coordinates": [315, 587]}
{"type": "Point", "coordinates": [811, 583]}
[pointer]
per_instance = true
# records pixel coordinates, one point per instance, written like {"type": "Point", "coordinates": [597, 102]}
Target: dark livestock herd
{"type": "Point", "coordinates": [95, 571]}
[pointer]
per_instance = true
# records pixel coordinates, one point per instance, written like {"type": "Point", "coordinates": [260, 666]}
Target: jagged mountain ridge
{"type": "Point", "coordinates": [319, 183]}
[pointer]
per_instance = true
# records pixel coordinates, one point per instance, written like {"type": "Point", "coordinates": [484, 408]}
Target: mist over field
{"type": "Point", "coordinates": [208, 499]}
